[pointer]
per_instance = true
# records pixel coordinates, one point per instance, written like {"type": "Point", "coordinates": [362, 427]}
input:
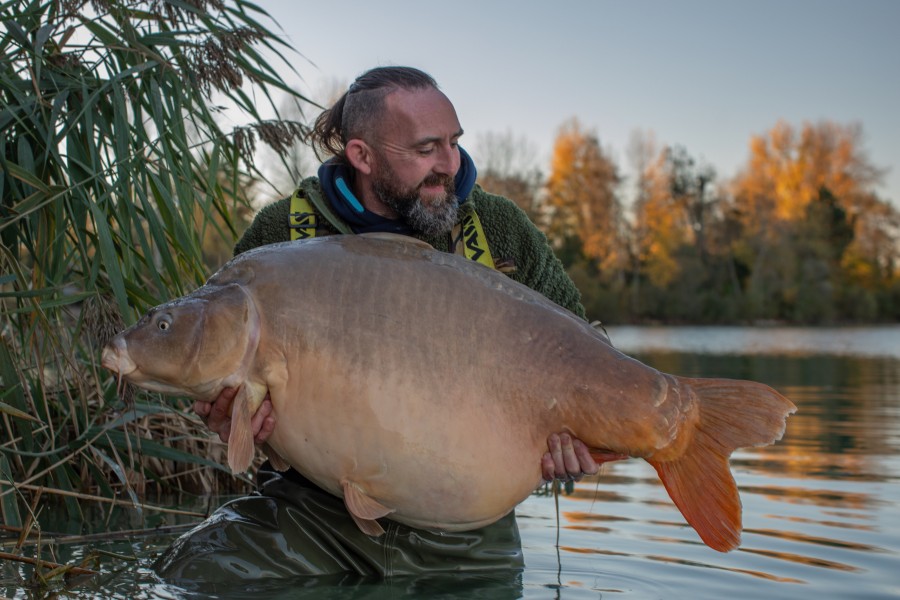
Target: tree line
{"type": "Point", "coordinates": [797, 236]}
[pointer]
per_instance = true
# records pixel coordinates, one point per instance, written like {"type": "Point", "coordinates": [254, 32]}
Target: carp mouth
{"type": "Point", "coordinates": [115, 358]}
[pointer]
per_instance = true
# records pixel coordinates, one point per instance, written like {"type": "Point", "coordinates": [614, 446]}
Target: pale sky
{"type": "Point", "coordinates": [706, 75]}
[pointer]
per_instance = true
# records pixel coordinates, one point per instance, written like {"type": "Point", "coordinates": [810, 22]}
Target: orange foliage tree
{"type": "Point", "coordinates": [671, 210]}
{"type": "Point", "coordinates": [581, 193]}
{"type": "Point", "coordinates": [788, 167]}
{"type": "Point", "coordinates": [806, 206]}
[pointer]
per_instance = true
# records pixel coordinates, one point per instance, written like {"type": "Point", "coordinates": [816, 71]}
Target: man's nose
{"type": "Point", "coordinates": [449, 160]}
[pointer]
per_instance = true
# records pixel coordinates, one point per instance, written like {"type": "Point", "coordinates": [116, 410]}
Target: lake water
{"type": "Point", "coordinates": [821, 514]}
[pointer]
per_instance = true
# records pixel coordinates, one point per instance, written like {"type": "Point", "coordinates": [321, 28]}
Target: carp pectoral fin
{"type": "Point", "coordinates": [278, 463]}
{"type": "Point", "coordinates": [364, 509]}
{"type": "Point", "coordinates": [240, 440]}
{"type": "Point", "coordinates": [733, 414]}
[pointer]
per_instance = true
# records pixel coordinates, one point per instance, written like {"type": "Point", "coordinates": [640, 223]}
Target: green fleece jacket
{"type": "Point", "coordinates": [512, 237]}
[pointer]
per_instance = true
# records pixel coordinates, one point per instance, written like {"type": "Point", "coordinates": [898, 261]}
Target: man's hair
{"type": "Point", "coordinates": [355, 113]}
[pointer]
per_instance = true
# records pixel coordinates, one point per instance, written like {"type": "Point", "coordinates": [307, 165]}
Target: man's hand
{"type": "Point", "coordinates": [217, 416]}
{"type": "Point", "coordinates": [568, 458]}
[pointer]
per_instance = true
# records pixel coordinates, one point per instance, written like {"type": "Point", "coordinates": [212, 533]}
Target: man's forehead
{"type": "Point", "coordinates": [424, 113]}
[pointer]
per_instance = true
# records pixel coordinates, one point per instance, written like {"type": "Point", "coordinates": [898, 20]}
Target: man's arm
{"type": "Point", "coordinates": [270, 226]}
{"type": "Point", "coordinates": [511, 234]}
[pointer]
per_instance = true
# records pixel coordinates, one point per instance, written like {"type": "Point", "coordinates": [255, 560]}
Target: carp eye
{"type": "Point", "coordinates": [165, 321]}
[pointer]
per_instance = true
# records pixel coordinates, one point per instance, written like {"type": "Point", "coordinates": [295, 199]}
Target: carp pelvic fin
{"type": "Point", "coordinates": [733, 414]}
{"type": "Point", "coordinates": [364, 509]}
{"type": "Point", "coordinates": [278, 463]}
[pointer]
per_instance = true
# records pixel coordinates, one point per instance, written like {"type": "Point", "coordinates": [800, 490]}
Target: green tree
{"type": "Point", "coordinates": [691, 186]}
{"type": "Point", "coordinates": [114, 167]}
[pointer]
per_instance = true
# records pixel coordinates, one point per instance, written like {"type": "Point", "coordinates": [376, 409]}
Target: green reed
{"type": "Point", "coordinates": [115, 171]}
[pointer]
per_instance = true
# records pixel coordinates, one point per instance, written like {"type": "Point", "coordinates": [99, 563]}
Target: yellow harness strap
{"type": "Point", "coordinates": [473, 244]}
{"type": "Point", "coordinates": [468, 237]}
{"type": "Point", "coordinates": [302, 220]}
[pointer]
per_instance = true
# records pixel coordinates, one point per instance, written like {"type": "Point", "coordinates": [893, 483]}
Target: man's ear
{"type": "Point", "coordinates": [360, 156]}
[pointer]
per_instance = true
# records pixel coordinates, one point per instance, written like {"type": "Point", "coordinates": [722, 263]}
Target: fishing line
{"type": "Point", "coordinates": [558, 527]}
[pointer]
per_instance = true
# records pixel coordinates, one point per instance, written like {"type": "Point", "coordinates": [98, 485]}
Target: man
{"type": "Point", "coordinates": [397, 167]}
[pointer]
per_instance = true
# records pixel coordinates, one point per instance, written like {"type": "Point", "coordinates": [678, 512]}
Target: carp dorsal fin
{"type": "Point", "coordinates": [396, 237]}
{"type": "Point", "coordinates": [364, 509]}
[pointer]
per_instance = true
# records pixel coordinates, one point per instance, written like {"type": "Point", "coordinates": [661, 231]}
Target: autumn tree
{"type": "Point", "coordinates": [870, 264]}
{"type": "Point", "coordinates": [682, 267]}
{"type": "Point", "coordinates": [670, 211]}
{"type": "Point", "coordinates": [788, 167]}
{"type": "Point", "coordinates": [586, 221]}
{"type": "Point", "coordinates": [691, 186]}
{"type": "Point", "coordinates": [806, 206]}
{"type": "Point", "coordinates": [582, 195]}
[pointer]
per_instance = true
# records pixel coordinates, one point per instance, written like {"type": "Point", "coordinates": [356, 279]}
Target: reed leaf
{"type": "Point", "coordinates": [117, 181]}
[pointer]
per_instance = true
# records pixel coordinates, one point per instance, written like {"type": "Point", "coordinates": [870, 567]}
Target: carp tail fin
{"type": "Point", "coordinates": [733, 414]}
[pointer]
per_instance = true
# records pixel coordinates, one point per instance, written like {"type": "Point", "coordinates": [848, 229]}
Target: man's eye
{"type": "Point", "coordinates": [426, 151]}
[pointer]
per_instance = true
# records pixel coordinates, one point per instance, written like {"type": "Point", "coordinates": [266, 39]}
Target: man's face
{"type": "Point", "coordinates": [431, 214]}
{"type": "Point", "coordinates": [416, 159]}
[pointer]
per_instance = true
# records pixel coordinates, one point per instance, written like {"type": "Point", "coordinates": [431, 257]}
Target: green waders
{"type": "Point", "coordinates": [292, 528]}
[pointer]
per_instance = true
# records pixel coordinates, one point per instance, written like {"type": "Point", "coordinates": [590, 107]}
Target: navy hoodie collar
{"type": "Point", "coordinates": [335, 181]}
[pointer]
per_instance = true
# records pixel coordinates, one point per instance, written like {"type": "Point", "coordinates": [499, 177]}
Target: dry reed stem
{"type": "Point", "coordinates": [48, 565]}
{"type": "Point", "coordinates": [59, 539]}
{"type": "Point", "coordinates": [103, 499]}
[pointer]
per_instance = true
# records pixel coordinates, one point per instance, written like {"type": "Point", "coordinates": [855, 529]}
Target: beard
{"type": "Point", "coordinates": [431, 217]}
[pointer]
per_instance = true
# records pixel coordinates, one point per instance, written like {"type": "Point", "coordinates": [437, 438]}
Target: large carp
{"type": "Point", "coordinates": [419, 384]}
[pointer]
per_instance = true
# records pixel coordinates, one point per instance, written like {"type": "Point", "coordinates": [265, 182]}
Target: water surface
{"type": "Point", "coordinates": [821, 515]}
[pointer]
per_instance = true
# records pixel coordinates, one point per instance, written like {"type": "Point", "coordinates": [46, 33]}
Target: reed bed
{"type": "Point", "coordinates": [116, 174]}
